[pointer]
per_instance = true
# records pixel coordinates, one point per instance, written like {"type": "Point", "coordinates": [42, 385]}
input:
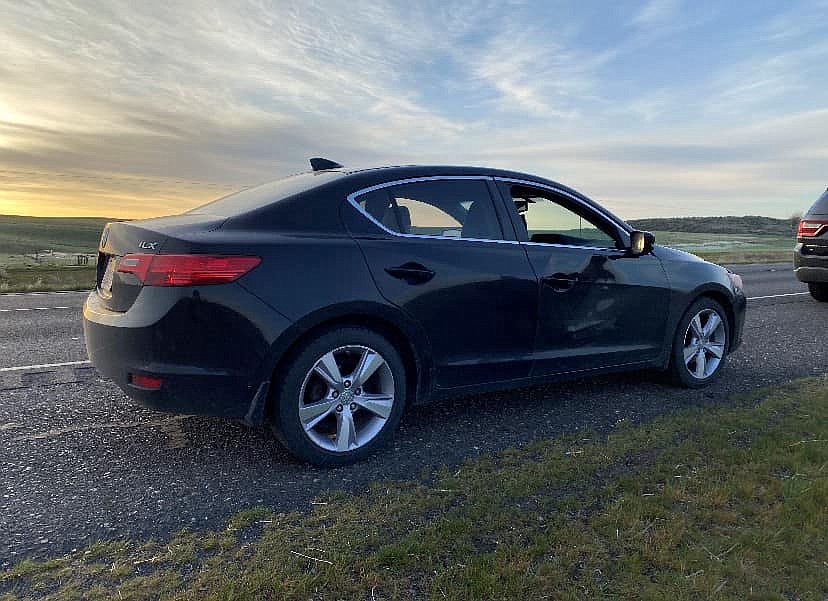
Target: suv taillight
{"type": "Point", "coordinates": [811, 228]}
{"type": "Point", "coordinates": [186, 270]}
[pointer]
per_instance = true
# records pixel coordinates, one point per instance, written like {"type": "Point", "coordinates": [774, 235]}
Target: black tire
{"type": "Point", "coordinates": [285, 418]}
{"type": "Point", "coordinates": [679, 371]}
{"type": "Point", "coordinates": [819, 291]}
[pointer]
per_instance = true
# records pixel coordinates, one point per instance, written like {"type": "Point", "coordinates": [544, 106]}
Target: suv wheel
{"type": "Point", "coordinates": [341, 398]}
{"type": "Point", "coordinates": [819, 291]}
{"type": "Point", "coordinates": [700, 345]}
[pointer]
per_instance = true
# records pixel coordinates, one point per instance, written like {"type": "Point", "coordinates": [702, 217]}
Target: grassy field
{"type": "Point", "coordinates": [44, 278]}
{"type": "Point", "coordinates": [28, 235]}
{"type": "Point", "coordinates": [41, 253]}
{"type": "Point", "coordinates": [750, 224]}
{"type": "Point", "coordinates": [730, 248]}
{"type": "Point", "coordinates": [712, 503]}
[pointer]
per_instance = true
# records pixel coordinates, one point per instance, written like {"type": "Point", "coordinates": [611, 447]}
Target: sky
{"type": "Point", "coordinates": [654, 107]}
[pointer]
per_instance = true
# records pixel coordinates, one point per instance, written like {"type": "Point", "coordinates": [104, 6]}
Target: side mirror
{"type": "Point", "coordinates": [641, 243]}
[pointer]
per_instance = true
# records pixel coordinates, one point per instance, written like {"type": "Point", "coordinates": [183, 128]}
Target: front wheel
{"type": "Point", "coordinates": [819, 291]}
{"type": "Point", "coordinates": [341, 398]}
{"type": "Point", "coordinates": [700, 345]}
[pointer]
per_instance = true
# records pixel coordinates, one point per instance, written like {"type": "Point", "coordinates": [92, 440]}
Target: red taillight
{"type": "Point", "coordinates": [186, 270]}
{"type": "Point", "coordinates": [811, 228]}
{"type": "Point", "coordinates": [149, 382]}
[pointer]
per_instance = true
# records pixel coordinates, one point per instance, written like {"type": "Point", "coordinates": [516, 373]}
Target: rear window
{"type": "Point", "coordinates": [820, 206]}
{"type": "Point", "coordinates": [252, 198]}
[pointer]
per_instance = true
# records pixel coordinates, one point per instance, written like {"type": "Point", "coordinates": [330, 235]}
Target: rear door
{"type": "Point", "coordinates": [598, 306]}
{"type": "Point", "coordinates": [444, 258]}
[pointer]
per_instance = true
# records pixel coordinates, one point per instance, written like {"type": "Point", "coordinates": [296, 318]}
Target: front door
{"type": "Point", "coordinates": [598, 306]}
{"type": "Point", "coordinates": [444, 259]}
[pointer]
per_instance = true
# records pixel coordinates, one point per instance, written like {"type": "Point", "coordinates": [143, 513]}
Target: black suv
{"type": "Point", "coordinates": [811, 254]}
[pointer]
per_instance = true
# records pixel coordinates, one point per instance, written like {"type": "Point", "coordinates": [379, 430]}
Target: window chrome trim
{"type": "Point", "coordinates": [412, 180]}
{"type": "Point", "coordinates": [604, 248]}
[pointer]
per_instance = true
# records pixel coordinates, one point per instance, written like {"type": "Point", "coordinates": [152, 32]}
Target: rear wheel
{"type": "Point", "coordinates": [819, 291]}
{"type": "Point", "coordinates": [700, 345]}
{"type": "Point", "coordinates": [341, 398]}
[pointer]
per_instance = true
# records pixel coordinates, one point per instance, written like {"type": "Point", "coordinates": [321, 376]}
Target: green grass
{"type": "Point", "coordinates": [40, 253]}
{"type": "Point", "coordinates": [730, 248]}
{"type": "Point", "coordinates": [27, 235]}
{"type": "Point", "coordinates": [754, 225]}
{"type": "Point", "coordinates": [39, 279]}
{"type": "Point", "coordinates": [711, 503]}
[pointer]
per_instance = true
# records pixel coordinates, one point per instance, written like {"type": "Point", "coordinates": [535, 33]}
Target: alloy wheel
{"type": "Point", "coordinates": [346, 398]}
{"type": "Point", "coordinates": [705, 343]}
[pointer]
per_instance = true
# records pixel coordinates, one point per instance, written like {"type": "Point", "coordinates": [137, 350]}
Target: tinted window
{"type": "Point", "coordinates": [252, 198]}
{"type": "Point", "coordinates": [551, 219]}
{"type": "Point", "coordinates": [451, 208]}
{"type": "Point", "coordinates": [379, 206]}
{"type": "Point", "coordinates": [820, 206]}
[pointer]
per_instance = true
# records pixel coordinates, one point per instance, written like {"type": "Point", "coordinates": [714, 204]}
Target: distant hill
{"type": "Point", "coordinates": [19, 235]}
{"type": "Point", "coordinates": [759, 226]}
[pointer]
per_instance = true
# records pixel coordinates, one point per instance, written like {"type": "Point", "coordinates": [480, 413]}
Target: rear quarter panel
{"type": "Point", "coordinates": [302, 274]}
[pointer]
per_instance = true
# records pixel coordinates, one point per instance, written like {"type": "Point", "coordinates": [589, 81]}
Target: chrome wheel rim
{"type": "Point", "coordinates": [705, 341]}
{"type": "Point", "coordinates": [346, 398]}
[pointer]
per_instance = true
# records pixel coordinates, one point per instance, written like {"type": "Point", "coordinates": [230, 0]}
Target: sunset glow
{"type": "Point", "coordinates": [658, 107]}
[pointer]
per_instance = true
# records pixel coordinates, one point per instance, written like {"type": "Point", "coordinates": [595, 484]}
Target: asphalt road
{"type": "Point", "coordinates": [80, 462]}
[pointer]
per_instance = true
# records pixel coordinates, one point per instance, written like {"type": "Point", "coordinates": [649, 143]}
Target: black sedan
{"type": "Point", "coordinates": [326, 302]}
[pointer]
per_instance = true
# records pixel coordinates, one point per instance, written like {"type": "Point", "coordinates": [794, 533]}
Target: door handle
{"type": "Point", "coordinates": [560, 282]}
{"type": "Point", "coordinates": [412, 273]}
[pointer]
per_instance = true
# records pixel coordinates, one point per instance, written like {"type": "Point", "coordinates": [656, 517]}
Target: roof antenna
{"type": "Point", "coordinates": [320, 164]}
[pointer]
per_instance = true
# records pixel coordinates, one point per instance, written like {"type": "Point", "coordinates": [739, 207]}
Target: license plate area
{"type": "Point", "coordinates": [105, 287]}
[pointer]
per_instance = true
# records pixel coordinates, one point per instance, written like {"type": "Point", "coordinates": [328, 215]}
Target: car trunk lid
{"type": "Point", "coordinates": [117, 290]}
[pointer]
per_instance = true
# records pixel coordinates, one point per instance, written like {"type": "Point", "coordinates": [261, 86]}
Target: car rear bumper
{"type": "Point", "coordinates": [211, 358]}
{"type": "Point", "coordinates": [811, 262]}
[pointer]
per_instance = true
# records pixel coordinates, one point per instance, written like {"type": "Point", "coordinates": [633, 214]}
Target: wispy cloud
{"type": "Point", "coordinates": [144, 108]}
{"type": "Point", "coordinates": [797, 21]}
{"type": "Point", "coordinates": [768, 78]}
{"type": "Point", "coordinates": [656, 13]}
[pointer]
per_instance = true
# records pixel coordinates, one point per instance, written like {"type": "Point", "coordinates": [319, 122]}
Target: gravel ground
{"type": "Point", "coordinates": [81, 462]}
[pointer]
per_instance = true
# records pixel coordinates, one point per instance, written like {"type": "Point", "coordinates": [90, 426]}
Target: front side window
{"type": "Point", "coordinates": [447, 208]}
{"type": "Point", "coordinates": [551, 219]}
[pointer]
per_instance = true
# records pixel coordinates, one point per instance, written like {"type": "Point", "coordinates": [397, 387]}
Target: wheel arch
{"type": "Point", "coordinates": [721, 295]}
{"type": "Point", "coordinates": [406, 336]}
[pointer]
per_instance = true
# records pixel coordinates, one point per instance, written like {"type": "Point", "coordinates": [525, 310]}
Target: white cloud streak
{"type": "Point", "coordinates": [655, 13]}
{"type": "Point", "coordinates": [150, 94]}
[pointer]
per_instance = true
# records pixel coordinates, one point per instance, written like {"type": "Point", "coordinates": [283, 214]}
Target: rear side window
{"type": "Point", "coordinates": [447, 208]}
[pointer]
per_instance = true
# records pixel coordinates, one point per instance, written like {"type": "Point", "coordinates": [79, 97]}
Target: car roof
{"type": "Point", "coordinates": [302, 197]}
{"type": "Point", "coordinates": [402, 171]}
{"type": "Point", "coordinates": [363, 177]}
{"type": "Point", "coordinates": [370, 176]}
{"type": "Point", "coordinates": [349, 180]}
